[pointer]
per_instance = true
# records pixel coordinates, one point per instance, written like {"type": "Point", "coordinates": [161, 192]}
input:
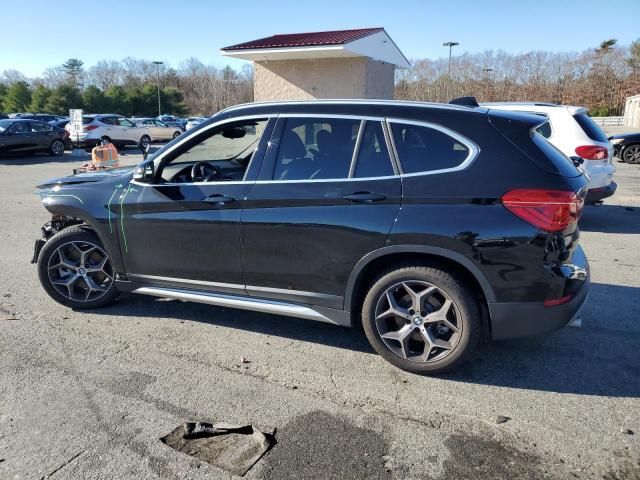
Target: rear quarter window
{"type": "Point", "coordinates": [425, 149]}
{"type": "Point", "coordinates": [592, 130]}
{"type": "Point", "coordinates": [544, 130]}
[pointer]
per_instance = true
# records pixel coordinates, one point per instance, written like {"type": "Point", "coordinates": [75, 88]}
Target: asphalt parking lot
{"type": "Point", "coordinates": [89, 394]}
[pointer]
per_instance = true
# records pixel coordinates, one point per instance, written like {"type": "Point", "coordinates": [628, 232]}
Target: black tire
{"type": "Point", "coordinates": [49, 254]}
{"type": "Point", "coordinates": [466, 315]}
{"type": "Point", "coordinates": [145, 140]}
{"type": "Point", "coordinates": [631, 154]}
{"type": "Point", "coordinates": [176, 135]}
{"type": "Point", "coordinates": [56, 149]}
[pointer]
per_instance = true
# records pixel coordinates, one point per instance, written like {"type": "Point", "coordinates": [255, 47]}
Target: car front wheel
{"type": "Point", "coordinates": [75, 270]}
{"type": "Point", "coordinates": [421, 319]}
{"type": "Point", "coordinates": [631, 154]}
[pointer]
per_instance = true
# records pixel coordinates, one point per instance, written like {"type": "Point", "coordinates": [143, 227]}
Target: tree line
{"type": "Point", "coordinates": [128, 87]}
{"type": "Point", "coordinates": [599, 78]}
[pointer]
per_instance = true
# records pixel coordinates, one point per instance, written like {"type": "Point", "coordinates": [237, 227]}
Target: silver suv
{"type": "Point", "coordinates": [116, 128]}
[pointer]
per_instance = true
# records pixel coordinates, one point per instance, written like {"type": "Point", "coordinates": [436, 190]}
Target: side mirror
{"type": "Point", "coordinates": [144, 148]}
{"type": "Point", "coordinates": [577, 161]}
{"type": "Point", "coordinates": [145, 172]}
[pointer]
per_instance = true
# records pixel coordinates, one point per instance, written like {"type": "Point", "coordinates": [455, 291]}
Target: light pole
{"type": "Point", "coordinates": [157, 63]}
{"type": "Point", "coordinates": [450, 45]}
{"type": "Point", "coordinates": [487, 72]}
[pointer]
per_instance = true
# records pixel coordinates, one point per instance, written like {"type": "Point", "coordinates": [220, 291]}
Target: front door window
{"type": "Point", "coordinates": [220, 154]}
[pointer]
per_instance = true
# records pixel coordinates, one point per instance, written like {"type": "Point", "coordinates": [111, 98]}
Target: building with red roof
{"type": "Point", "coordinates": [357, 63]}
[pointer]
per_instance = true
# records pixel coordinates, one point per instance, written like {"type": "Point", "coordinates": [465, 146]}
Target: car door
{"type": "Point", "coordinates": [43, 135]}
{"type": "Point", "coordinates": [183, 231]}
{"type": "Point", "coordinates": [18, 138]}
{"type": "Point", "coordinates": [128, 131]}
{"type": "Point", "coordinates": [328, 194]}
{"type": "Point", "coordinates": [161, 130]}
{"type": "Point", "coordinates": [110, 128]}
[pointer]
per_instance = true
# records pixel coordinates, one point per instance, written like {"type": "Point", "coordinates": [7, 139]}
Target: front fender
{"type": "Point", "coordinates": [95, 205]}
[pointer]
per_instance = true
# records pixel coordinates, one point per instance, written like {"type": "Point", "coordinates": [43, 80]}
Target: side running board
{"type": "Point", "coordinates": [240, 302]}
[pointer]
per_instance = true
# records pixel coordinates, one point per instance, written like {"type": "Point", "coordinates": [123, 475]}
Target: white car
{"type": "Point", "coordinates": [194, 122]}
{"type": "Point", "coordinates": [116, 128]}
{"type": "Point", "coordinates": [573, 132]}
{"type": "Point", "coordinates": [158, 130]}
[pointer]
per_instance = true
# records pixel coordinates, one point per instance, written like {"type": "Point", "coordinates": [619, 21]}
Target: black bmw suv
{"type": "Point", "coordinates": [429, 224]}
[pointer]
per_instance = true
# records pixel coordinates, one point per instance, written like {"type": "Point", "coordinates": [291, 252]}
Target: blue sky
{"type": "Point", "coordinates": [42, 33]}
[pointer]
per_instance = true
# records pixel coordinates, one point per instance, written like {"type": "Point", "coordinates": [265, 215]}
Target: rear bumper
{"type": "Point", "coordinates": [526, 319]}
{"type": "Point", "coordinates": [596, 194]}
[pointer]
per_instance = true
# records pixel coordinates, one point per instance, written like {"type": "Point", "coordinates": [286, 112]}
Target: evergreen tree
{"type": "Point", "coordinates": [3, 93]}
{"type": "Point", "coordinates": [95, 101]}
{"type": "Point", "coordinates": [74, 71]}
{"type": "Point", "coordinates": [39, 99]}
{"type": "Point", "coordinates": [17, 98]}
{"type": "Point", "coordinates": [64, 98]}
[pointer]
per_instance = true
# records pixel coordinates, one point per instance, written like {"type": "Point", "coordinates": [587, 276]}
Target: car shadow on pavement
{"type": "Point", "coordinates": [600, 358]}
{"type": "Point", "coordinates": [276, 325]}
{"type": "Point", "coordinates": [610, 219]}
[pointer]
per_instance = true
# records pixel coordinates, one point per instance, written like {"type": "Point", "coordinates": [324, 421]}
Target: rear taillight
{"type": "Point", "coordinates": [592, 152]}
{"type": "Point", "coordinates": [549, 210]}
{"type": "Point", "coordinates": [88, 128]}
{"type": "Point", "coordinates": [554, 302]}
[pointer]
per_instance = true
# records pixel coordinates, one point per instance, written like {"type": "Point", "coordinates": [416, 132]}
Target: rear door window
{"type": "Point", "coordinates": [40, 127]}
{"type": "Point", "coordinates": [425, 149]}
{"type": "Point", "coordinates": [109, 120]}
{"type": "Point", "coordinates": [316, 148]}
{"type": "Point", "coordinates": [373, 156]}
{"type": "Point", "coordinates": [592, 130]}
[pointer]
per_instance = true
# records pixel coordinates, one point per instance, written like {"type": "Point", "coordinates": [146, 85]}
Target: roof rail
{"type": "Point", "coordinates": [465, 101]}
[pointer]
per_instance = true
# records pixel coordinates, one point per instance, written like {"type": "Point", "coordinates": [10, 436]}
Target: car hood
{"type": "Point", "coordinates": [88, 177]}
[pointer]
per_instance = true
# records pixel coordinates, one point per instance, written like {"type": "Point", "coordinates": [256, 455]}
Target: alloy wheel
{"type": "Point", "coordinates": [418, 321]}
{"type": "Point", "coordinates": [57, 147]}
{"type": "Point", "coordinates": [632, 154]}
{"type": "Point", "coordinates": [80, 271]}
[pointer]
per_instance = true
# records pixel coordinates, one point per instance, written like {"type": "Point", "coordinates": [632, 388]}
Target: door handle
{"type": "Point", "coordinates": [364, 197]}
{"type": "Point", "coordinates": [218, 199]}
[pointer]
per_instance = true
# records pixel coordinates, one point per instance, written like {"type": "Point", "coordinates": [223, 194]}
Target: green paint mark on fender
{"type": "Point", "coordinates": [124, 235]}
{"type": "Point", "coordinates": [109, 206]}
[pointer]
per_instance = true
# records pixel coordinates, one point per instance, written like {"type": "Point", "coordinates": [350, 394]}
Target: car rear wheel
{"type": "Point", "coordinates": [421, 319]}
{"type": "Point", "coordinates": [632, 154]}
{"type": "Point", "coordinates": [56, 149]}
{"type": "Point", "coordinates": [75, 270]}
{"type": "Point", "coordinates": [176, 134]}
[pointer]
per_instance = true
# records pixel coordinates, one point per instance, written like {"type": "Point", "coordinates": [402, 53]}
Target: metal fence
{"type": "Point", "coordinates": [608, 121]}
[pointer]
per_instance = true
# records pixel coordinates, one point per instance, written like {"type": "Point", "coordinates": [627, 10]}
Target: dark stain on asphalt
{"type": "Point", "coordinates": [473, 457]}
{"type": "Point", "coordinates": [322, 446]}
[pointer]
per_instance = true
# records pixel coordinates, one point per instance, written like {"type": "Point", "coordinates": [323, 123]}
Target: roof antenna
{"type": "Point", "coordinates": [465, 101]}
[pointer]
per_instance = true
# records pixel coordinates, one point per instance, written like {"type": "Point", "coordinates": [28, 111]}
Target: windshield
{"type": "Point", "coordinates": [4, 124]}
